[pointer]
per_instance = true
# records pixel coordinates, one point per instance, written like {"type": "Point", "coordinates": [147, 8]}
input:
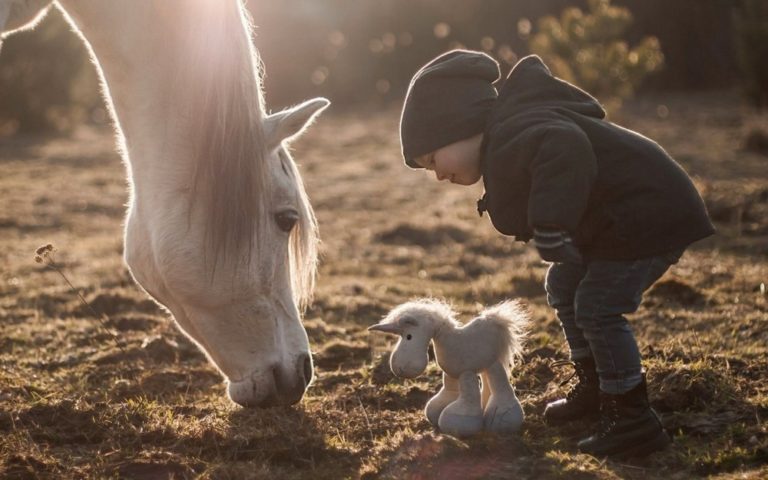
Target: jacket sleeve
{"type": "Point", "coordinates": [563, 170]}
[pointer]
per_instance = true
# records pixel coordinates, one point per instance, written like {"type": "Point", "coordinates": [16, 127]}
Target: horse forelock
{"type": "Point", "coordinates": [231, 176]}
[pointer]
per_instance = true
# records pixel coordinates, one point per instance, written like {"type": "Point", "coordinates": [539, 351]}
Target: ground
{"type": "Point", "coordinates": [74, 405]}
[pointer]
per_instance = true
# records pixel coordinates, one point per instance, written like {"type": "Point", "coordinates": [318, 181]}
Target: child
{"type": "Point", "coordinates": [608, 207]}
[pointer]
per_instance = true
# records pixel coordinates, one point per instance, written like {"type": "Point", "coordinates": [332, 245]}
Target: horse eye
{"type": "Point", "coordinates": [408, 337]}
{"type": "Point", "coordinates": [286, 220]}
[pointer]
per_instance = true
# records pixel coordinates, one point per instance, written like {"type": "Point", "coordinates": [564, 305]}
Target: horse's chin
{"type": "Point", "coordinates": [276, 386]}
{"type": "Point", "coordinates": [259, 391]}
{"type": "Point", "coordinates": [255, 391]}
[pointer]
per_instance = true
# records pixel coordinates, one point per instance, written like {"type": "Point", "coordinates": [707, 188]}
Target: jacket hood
{"type": "Point", "coordinates": [530, 84]}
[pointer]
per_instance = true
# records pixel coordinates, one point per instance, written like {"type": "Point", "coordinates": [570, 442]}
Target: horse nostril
{"type": "Point", "coordinates": [305, 367]}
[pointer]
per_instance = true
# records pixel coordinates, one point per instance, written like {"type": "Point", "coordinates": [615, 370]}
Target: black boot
{"type": "Point", "coordinates": [628, 426]}
{"type": "Point", "coordinates": [582, 401]}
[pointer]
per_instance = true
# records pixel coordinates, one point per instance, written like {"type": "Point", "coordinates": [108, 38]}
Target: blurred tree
{"type": "Point", "coordinates": [696, 37]}
{"type": "Point", "coordinates": [589, 50]}
{"type": "Point", "coordinates": [751, 22]}
{"type": "Point", "coordinates": [46, 80]}
{"type": "Point", "coordinates": [365, 52]}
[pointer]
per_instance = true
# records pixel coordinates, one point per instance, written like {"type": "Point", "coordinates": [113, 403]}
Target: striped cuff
{"type": "Point", "coordinates": [550, 239]}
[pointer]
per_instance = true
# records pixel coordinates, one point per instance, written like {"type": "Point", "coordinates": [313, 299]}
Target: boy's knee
{"type": "Point", "coordinates": [560, 287]}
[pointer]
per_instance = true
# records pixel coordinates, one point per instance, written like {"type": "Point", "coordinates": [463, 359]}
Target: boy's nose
{"type": "Point", "coordinates": [440, 176]}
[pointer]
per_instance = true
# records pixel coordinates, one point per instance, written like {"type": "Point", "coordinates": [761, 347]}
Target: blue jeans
{"type": "Point", "coordinates": [591, 300]}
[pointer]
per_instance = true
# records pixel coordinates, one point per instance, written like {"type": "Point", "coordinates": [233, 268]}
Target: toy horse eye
{"type": "Point", "coordinates": [286, 220]}
{"type": "Point", "coordinates": [408, 337]}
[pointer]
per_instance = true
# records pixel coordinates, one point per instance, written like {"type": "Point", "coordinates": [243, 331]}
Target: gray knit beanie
{"type": "Point", "coordinates": [449, 99]}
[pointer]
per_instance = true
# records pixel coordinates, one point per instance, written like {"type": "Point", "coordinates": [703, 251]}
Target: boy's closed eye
{"type": "Point", "coordinates": [427, 161]}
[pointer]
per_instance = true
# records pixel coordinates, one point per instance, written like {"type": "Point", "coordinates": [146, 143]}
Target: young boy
{"type": "Point", "coordinates": [608, 207]}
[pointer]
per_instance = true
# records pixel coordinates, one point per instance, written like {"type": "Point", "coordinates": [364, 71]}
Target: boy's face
{"type": "Point", "coordinates": [458, 162]}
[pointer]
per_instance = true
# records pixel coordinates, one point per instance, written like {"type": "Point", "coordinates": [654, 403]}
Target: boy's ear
{"type": "Point", "coordinates": [291, 122]}
{"type": "Point", "coordinates": [18, 15]}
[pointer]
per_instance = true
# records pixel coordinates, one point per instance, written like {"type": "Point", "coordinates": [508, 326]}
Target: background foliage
{"type": "Point", "coordinates": [751, 21]}
{"type": "Point", "coordinates": [589, 50]}
{"type": "Point", "coordinates": [364, 52]}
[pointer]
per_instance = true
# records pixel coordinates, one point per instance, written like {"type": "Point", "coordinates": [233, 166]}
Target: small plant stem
{"type": "Point", "coordinates": [51, 264]}
{"type": "Point", "coordinates": [365, 417]}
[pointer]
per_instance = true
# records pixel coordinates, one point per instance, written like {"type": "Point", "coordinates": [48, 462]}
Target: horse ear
{"type": "Point", "coordinates": [18, 15]}
{"type": "Point", "coordinates": [291, 122]}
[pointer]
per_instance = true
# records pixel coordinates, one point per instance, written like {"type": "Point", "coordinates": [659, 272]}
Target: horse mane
{"type": "Point", "coordinates": [226, 111]}
{"type": "Point", "coordinates": [512, 319]}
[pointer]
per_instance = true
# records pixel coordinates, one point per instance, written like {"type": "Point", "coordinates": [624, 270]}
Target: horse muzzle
{"type": "Point", "coordinates": [275, 386]}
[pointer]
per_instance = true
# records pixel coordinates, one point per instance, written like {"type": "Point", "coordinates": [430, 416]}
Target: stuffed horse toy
{"type": "Point", "coordinates": [485, 346]}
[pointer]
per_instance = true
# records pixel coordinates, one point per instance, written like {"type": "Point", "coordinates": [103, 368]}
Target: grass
{"type": "Point", "coordinates": [74, 405]}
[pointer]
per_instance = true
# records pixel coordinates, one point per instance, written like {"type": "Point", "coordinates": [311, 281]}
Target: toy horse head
{"type": "Point", "coordinates": [416, 323]}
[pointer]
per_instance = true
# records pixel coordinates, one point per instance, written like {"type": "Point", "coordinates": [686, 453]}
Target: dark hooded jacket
{"type": "Point", "coordinates": [550, 159]}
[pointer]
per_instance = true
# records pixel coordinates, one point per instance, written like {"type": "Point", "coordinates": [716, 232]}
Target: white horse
{"type": "Point", "coordinates": [219, 229]}
{"type": "Point", "coordinates": [484, 346]}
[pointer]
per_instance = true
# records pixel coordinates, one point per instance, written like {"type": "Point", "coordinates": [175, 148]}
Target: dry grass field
{"type": "Point", "coordinates": [74, 405]}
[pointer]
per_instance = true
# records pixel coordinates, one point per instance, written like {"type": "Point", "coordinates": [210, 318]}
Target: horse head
{"type": "Point", "coordinates": [219, 229]}
{"type": "Point", "coordinates": [242, 305]}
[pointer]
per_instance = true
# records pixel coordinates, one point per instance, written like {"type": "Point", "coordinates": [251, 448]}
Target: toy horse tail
{"type": "Point", "coordinates": [512, 319]}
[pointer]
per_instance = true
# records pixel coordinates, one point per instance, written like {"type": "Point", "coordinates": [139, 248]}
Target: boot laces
{"type": "Point", "coordinates": [579, 372]}
{"type": "Point", "coordinates": [609, 415]}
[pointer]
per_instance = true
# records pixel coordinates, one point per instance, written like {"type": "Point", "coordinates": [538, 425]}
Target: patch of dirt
{"type": "Point", "coordinates": [380, 371]}
{"type": "Point", "coordinates": [319, 331]}
{"type": "Point", "coordinates": [160, 349]}
{"type": "Point", "coordinates": [676, 291]}
{"type": "Point", "coordinates": [689, 388]}
{"type": "Point", "coordinates": [408, 234]}
{"type": "Point", "coordinates": [111, 303]}
{"type": "Point", "coordinates": [161, 470]}
{"type": "Point", "coordinates": [337, 354]}
{"type": "Point", "coordinates": [132, 322]}
{"type": "Point", "coordinates": [62, 422]}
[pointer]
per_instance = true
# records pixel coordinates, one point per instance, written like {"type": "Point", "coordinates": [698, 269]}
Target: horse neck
{"type": "Point", "coordinates": [443, 331]}
{"type": "Point", "coordinates": [141, 49]}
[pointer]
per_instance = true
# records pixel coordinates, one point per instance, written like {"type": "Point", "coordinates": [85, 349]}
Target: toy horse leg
{"type": "Point", "coordinates": [503, 413]}
{"type": "Point", "coordinates": [485, 392]}
{"type": "Point", "coordinates": [445, 396]}
{"type": "Point", "coordinates": [464, 416]}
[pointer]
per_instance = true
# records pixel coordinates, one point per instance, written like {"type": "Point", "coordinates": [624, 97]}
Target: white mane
{"type": "Point", "coordinates": [425, 310]}
{"type": "Point", "coordinates": [512, 319]}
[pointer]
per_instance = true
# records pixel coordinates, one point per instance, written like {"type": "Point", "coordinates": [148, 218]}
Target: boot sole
{"type": "Point", "coordinates": [590, 417]}
{"type": "Point", "coordinates": [659, 442]}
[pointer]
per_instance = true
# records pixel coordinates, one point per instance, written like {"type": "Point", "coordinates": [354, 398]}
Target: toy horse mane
{"type": "Point", "coordinates": [512, 319]}
{"type": "Point", "coordinates": [425, 309]}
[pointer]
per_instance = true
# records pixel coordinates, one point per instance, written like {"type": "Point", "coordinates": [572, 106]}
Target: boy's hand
{"type": "Point", "coordinates": [554, 245]}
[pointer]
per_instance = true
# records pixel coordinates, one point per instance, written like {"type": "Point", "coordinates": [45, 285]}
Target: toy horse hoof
{"type": "Point", "coordinates": [437, 404]}
{"type": "Point", "coordinates": [503, 418]}
{"type": "Point", "coordinates": [433, 411]}
{"type": "Point", "coordinates": [460, 425]}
